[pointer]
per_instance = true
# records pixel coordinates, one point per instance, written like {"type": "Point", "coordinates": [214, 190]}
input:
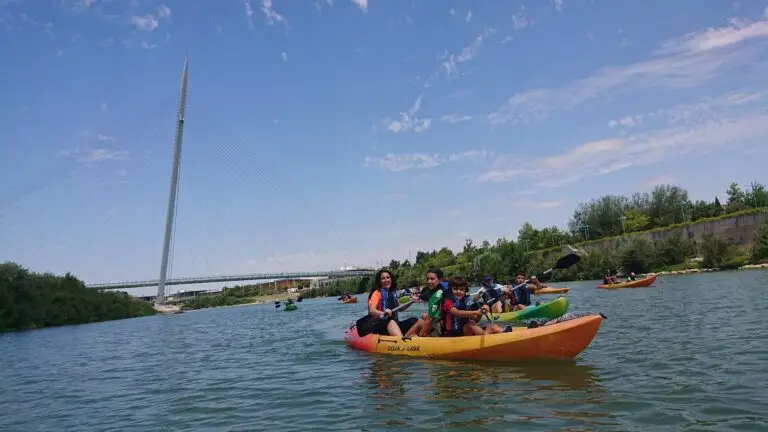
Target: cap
{"type": "Point", "coordinates": [489, 278]}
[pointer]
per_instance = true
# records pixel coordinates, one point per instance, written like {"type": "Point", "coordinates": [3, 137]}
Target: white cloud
{"type": "Point", "coordinates": [248, 12]}
{"type": "Point", "coordinates": [95, 155]}
{"type": "Point", "coordinates": [362, 4]}
{"type": "Point", "coordinates": [408, 161]}
{"type": "Point", "coordinates": [519, 21]}
{"type": "Point", "coordinates": [629, 121]}
{"type": "Point", "coordinates": [98, 136]}
{"type": "Point", "coordinates": [696, 61]}
{"type": "Point", "coordinates": [610, 155]}
{"type": "Point", "coordinates": [455, 118]}
{"type": "Point", "coordinates": [146, 22]}
{"type": "Point", "coordinates": [103, 107]}
{"type": "Point", "coordinates": [284, 56]}
{"type": "Point", "coordinates": [468, 18]}
{"type": "Point", "coordinates": [409, 121]}
{"type": "Point", "coordinates": [450, 61]}
{"type": "Point", "coordinates": [558, 4]}
{"type": "Point", "coordinates": [713, 38]}
{"type": "Point", "coordinates": [705, 109]}
{"type": "Point", "coordinates": [163, 11]}
{"type": "Point", "coordinates": [270, 15]}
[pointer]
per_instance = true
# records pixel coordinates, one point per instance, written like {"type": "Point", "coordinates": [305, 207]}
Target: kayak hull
{"type": "Point", "coordinates": [549, 290]}
{"type": "Point", "coordinates": [349, 300]}
{"type": "Point", "coordinates": [564, 340]}
{"type": "Point", "coordinates": [640, 283]}
{"type": "Point", "coordinates": [551, 309]}
{"type": "Point", "coordinates": [290, 308]}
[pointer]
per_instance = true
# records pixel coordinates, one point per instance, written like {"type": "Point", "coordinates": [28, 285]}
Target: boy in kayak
{"type": "Point", "coordinates": [631, 277]}
{"type": "Point", "coordinates": [433, 295]}
{"type": "Point", "coordinates": [458, 319]}
{"type": "Point", "coordinates": [490, 290]}
{"type": "Point", "coordinates": [521, 293]}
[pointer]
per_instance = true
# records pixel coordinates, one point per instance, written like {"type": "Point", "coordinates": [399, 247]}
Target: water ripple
{"type": "Point", "coordinates": [686, 354]}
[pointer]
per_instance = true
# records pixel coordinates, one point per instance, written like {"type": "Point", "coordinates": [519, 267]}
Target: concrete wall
{"type": "Point", "coordinates": [738, 231]}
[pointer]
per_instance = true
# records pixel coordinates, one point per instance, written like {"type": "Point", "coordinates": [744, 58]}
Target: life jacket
{"type": "Point", "coordinates": [522, 295]}
{"type": "Point", "coordinates": [389, 300]}
{"type": "Point", "coordinates": [446, 291]}
{"type": "Point", "coordinates": [452, 323]}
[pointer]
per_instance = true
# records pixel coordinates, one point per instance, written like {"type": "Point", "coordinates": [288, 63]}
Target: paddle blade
{"type": "Point", "coordinates": [547, 275]}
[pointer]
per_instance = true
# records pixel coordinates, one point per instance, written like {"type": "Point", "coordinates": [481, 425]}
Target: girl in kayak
{"type": "Point", "coordinates": [458, 319]}
{"type": "Point", "coordinates": [434, 294]}
{"type": "Point", "coordinates": [381, 300]}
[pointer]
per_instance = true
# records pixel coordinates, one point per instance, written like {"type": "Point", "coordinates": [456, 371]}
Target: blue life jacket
{"type": "Point", "coordinates": [453, 323]}
{"type": "Point", "coordinates": [389, 300]}
{"type": "Point", "coordinates": [446, 291]}
{"type": "Point", "coordinates": [522, 294]}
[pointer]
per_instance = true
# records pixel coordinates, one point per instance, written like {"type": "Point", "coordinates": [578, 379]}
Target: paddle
{"type": "Point", "coordinates": [568, 260]}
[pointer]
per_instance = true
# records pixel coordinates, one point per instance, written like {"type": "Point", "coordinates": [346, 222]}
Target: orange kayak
{"type": "Point", "coordinates": [350, 300]}
{"type": "Point", "coordinates": [559, 340]}
{"type": "Point", "coordinates": [549, 290]}
{"type": "Point", "coordinates": [640, 283]}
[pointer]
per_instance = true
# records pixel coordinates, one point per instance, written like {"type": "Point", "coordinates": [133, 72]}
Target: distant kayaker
{"type": "Point", "coordinates": [631, 277]}
{"type": "Point", "coordinates": [381, 300]}
{"type": "Point", "coordinates": [458, 319]}
{"type": "Point", "coordinates": [433, 294]}
{"type": "Point", "coordinates": [491, 290]}
{"type": "Point", "coordinates": [608, 279]}
{"type": "Point", "coordinates": [521, 293]}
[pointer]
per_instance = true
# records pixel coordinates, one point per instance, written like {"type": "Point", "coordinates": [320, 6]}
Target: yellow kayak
{"type": "Point", "coordinates": [561, 340]}
{"type": "Point", "coordinates": [550, 290]}
{"type": "Point", "coordinates": [640, 283]}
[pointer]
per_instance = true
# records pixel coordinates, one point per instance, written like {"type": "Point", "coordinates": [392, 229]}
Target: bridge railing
{"type": "Point", "coordinates": [233, 278]}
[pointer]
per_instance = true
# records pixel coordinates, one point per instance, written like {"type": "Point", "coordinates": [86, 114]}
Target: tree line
{"type": "Point", "coordinates": [30, 300]}
{"type": "Point", "coordinates": [607, 216]}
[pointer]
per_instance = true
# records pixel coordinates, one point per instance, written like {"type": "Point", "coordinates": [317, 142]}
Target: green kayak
{"type": "Point", "coordinates": [403, 299]}
{"type": "Point", "coordinates": [550, 310]}
{"type": "Point", "coordinates": [290, 307]}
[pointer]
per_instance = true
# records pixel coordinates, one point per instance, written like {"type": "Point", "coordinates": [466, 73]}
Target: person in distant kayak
{"type": "Point", "coordinates": [458, 319]}
{"type": "Point", "coordinates": [491, 290]}
{"type": "Point", "coordinates": [521, 293]}
{"type": "Point", "coordinates": [381, 300]}
{"type": "Point", "coordinates": [433, 294]}
{"type": "Point", "coordinates": [631, 277]}
{"type": "Point", "coordinates": [608, 279]}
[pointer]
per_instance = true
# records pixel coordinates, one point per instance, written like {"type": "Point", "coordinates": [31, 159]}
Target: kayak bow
{"type": "Point", "coordinates": [551, 309]}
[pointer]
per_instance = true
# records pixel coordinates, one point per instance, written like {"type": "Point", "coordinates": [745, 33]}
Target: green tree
{"type": "Point", "coordinates": [636, 255]}
{"type": "Point", "coordinates": [714, 251]}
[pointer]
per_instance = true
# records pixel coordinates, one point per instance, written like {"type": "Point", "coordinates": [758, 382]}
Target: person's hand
{"type": "Point", "coordinates": [388, 312]}
{"type": "Point", "coordinates": [414, 297]}
{"type": "Point", "coordinates": [477, 315]}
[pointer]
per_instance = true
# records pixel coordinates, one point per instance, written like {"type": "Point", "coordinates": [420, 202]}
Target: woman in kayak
{"type": "Point", "coordinates": [381, 300]}
{"type": "Point", "coordinates": [458, 319]}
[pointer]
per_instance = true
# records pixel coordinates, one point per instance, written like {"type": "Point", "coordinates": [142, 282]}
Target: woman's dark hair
{"type": "Point", "coordinates": [376, 285]}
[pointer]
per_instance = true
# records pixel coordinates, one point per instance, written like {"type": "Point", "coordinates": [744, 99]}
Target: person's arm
{"type": "Point", "coordinates": [465, 314]}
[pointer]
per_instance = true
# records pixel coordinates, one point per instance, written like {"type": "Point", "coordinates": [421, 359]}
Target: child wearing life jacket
{"type": "Point", "coordinates": [458, 319]}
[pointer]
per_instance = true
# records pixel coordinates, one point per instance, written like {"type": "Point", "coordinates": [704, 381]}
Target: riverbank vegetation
{"type": "Point", "coordinates": [30, 300]}
{"type": "Point", "coordinates": [245, 294]}
{"type": "Point", "coordinates": [666, 208]}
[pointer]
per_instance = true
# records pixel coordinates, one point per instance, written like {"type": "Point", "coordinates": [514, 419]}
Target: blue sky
{"type": "Point", "coordinates": [350, 132]}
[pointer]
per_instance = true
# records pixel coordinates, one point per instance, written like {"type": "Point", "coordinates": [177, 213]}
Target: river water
{"type": "Point", "coordinates": [689, 353]}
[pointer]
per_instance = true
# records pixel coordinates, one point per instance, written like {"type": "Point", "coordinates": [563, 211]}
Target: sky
{"type": "Point", "coordinates": [327, 133]}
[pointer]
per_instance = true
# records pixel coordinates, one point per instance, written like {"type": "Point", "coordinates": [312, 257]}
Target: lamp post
{"type": "Point", "coordinates": [623, 229]}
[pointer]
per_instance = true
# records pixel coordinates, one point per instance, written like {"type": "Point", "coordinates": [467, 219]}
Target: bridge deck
{"type": "Point", "coordinates": [243, 277]}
